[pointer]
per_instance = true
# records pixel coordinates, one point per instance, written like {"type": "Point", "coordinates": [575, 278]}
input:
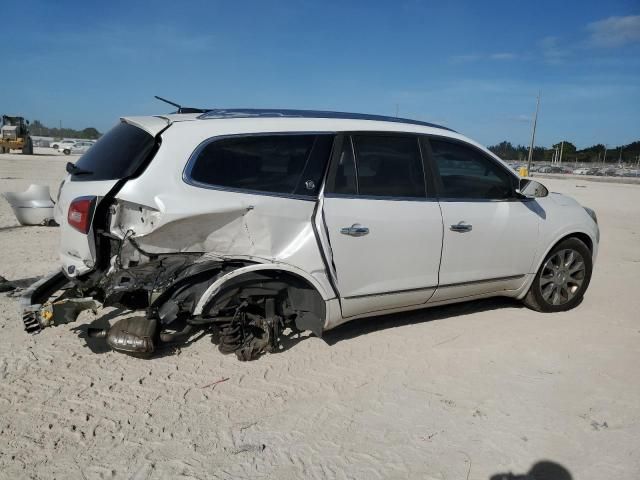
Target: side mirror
{"type": "Point", "coordinates": [531, 189]}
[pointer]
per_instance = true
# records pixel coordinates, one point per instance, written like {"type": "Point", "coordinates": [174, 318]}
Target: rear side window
{"type": "Point", "coordinates": [468, 173]}
{"type": "Point", "coordinates": [378, 166]}
{"type": "Point", "coordinates": [283, 164]}
{"type": "Point", "coordinates": [118, 154]}
{"type": "Point", "coordinates": [389, 166]}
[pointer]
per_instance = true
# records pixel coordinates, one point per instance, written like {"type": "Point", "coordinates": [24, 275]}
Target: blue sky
{"type": "Point", "coordinates": [473, 66]}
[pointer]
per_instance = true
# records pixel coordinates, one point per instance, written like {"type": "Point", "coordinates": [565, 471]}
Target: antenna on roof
{"type": "Point", "coordinates": [180, 108]}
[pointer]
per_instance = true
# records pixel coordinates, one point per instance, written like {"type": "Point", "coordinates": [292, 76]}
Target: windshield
{"type": "Point", "coordinates": [118, 154]}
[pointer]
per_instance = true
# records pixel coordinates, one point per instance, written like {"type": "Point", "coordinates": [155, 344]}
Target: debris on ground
{"type": "Point", "coordinates": [213, 384]}
{"type": "Point", "coordinates": [6, 285]}
{"type": "Point", "coordinates": [33, 206]}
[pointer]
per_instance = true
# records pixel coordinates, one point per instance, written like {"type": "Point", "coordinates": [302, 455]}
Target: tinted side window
{"type": "Point", "coordinates": [118, 154]}
{"type": "Point", "coordinates": [467, 173]}
{"type": "Point", "coordinates": [389, 166]}
{"type": "Point", "coordinates": [288, 164]}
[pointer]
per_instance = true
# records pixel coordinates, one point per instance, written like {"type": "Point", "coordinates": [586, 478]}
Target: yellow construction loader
{"type": "Point", "coordinates": [14, 135]}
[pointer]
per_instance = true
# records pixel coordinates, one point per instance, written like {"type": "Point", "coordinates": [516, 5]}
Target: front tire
{"type": "Point", "coordinates": [66, 151]}
{"type": "Point", "coordinates": [563, 278]}
{"type": "Point", "coordinates": [28, 147]}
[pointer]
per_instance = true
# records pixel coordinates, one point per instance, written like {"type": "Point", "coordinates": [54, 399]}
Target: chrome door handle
{"type": "Point", "coordinates": [461, 227]}
{"type": "Point", "coordinates": [355, 230]}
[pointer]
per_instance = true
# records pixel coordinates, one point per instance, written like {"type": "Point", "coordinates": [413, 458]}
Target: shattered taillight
{"type": "Point", "coordinates": [81, 212]}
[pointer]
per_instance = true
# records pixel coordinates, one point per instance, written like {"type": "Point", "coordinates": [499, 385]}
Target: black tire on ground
{"type": "Point", "coordinates": [54, 146]}
{"type": "Point", "coordinates": [567, 255]}
{"type": "Point", "coordinates": [66, 151]}
{"type": "Point", "coordinates": [28, 147]}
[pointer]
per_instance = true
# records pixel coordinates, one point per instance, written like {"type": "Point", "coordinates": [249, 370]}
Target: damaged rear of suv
{"type": "Point", "coordinates": [224, 241]}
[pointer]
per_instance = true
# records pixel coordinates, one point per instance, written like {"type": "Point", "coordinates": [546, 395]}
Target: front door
{"type": "Point", "coordinates": [385, 232]}
{"type": "Point", "coordinates": [490, 236]}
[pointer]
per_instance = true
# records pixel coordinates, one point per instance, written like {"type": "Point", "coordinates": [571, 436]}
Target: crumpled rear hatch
{"type": "Point", "coordinates": [120, 154]}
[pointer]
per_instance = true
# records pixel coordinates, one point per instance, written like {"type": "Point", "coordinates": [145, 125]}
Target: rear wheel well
{"type": "Point", "coordinates": [302, 297]}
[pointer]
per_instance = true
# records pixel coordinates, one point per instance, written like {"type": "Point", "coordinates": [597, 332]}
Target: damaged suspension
{"type": "Point", "coordinates": [253, 329]}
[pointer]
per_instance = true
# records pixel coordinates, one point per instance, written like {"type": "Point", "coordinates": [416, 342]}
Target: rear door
{"type": "Point", "coordinates": [490, 235]}
{"type": "Point", "coordinates": [384, 228]}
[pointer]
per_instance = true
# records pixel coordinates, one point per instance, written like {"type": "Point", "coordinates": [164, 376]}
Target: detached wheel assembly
{"type": "Point", "coordinates": [563, 278]}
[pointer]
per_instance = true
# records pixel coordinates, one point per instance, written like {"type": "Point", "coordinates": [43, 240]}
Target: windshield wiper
{"type": "Point", "coordinates": [74, 170]}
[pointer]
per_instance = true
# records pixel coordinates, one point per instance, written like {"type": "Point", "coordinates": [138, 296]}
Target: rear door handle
{"type": "Point", "coordinates": [355, 230]}
{"type": "Point", "coordinates": [461, 227]}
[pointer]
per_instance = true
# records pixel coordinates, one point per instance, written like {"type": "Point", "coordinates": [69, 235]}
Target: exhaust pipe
{"type": "Point", "coordinates": [173, 337]}
{"type": "Point", "coordinates": [93, 332]}
{"type": "Point", "coordinates": [135, 335]}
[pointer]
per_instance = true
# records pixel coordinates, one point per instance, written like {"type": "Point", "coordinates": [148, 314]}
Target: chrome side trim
{"type": "Point", "coordinates": [487, 280]}
{"type": "Point", "coordinates": [461, 284]}
{"type": "Point", "coordinates": [348, 196]}
{"type": "Point", "coordinates": [409, 290]}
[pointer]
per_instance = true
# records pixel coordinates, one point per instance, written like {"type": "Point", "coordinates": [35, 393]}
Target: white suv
{"type": "Point", "coordinates": [256, 223]}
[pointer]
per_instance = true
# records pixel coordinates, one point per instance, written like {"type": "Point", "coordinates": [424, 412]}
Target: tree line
{"type": "Point", "coordinates": [595, 153]}
{"type": "Point", "coordinates": [39, 130]}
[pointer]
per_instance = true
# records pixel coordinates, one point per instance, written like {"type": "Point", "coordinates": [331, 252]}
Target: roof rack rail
{"type": "Point", "coordinates": [223, 113]}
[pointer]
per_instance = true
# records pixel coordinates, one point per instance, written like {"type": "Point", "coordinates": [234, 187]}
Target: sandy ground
{"type": "Point", "coordinates": [466, 391]}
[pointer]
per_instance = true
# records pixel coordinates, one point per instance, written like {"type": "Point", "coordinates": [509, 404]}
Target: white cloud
{"type": "Point", "coordinates": [465, 58]}
{"type": "Point", "coordinates": [522, 118]}
{"type": "Point", "coordinates": [116, 41]}
{"type": "Point", "coordinates": [474, 57]}
{"type": "Point", "coordinates": [503, 56]}
{"type": "Point", "coordinates": [552, 52]}
{"type": "Point", "coordinates": [615, 31]}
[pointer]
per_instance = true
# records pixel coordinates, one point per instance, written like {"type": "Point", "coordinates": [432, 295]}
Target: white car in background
{"type": "Point", "coordinates": [62, 144]}
{"type": "Point", "coordinates": [254, 223]}
{"type": "Point", "coordinates": [78, 148]}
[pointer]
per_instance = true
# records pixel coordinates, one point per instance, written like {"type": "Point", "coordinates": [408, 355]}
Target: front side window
{"type": "Point", "coordinates": [468, 173]}
{"type": "Point", "coordinates": [284, 164]}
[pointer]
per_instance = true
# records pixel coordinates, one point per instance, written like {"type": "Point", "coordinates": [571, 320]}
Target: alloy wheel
{"type": "Point", "coordinates": [562, 276]}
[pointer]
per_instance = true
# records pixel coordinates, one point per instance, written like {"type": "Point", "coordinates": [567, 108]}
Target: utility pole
{"type": "Point", "coordinates": [561, 149]}
{"type": "Point", "coordinates": [533, 134]}
{"type": "Point", "coordinates": [604, 159]}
